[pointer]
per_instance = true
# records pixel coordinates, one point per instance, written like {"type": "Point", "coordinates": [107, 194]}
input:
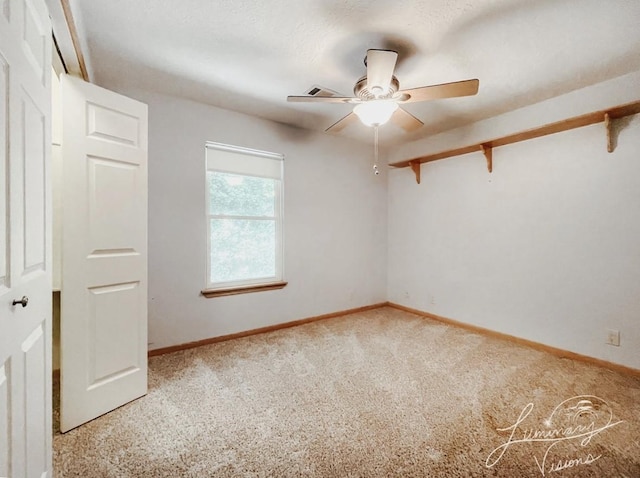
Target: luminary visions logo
{"type": "Point", "coordinates": [571, 426]}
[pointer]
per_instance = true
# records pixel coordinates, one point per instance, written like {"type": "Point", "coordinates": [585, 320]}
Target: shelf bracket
{"type": "Point", "coordinates": [608, 126]}
{"type": "Point", "coordinates": [415, 167]}
{"type": "Point", "coordinates": [488, 153]}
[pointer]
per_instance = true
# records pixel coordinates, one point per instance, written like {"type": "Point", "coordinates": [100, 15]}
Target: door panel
{"type": "Point", "coordinates": [4, 171]}
{"type": "Point", "coordinates": [34, 394]}
{"type": "Point", "coordinates": [33, 191]}
{"type": "Point", "coordinates": [113, 188]}
{"type": "Point", "coordinates": [117, 126]}
{"type": "Point", "coordinates": [4, 10]}
{"type": "Point", "coordinates": [5, 420]}
{"type": "Point", "coordinates": [114, 313]}
{"type": "Point", "coordinates": [35, 40]}
{"type": "Point", "coordinates": [104, 252]}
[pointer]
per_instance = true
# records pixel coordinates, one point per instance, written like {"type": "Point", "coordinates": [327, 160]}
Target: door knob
{"type": "Point", "coordinates": [24, 301]}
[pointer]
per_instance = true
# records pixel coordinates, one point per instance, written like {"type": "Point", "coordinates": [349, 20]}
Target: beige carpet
{"type": "Point", "coordinates": [379, 393]}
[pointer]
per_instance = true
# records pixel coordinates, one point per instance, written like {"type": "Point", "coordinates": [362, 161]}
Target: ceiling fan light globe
{"type": "Point", "coordinates": [375, 113]}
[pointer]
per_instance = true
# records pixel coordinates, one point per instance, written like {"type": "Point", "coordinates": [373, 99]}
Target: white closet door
{"type": "Point", "coordinates": [104, 252]}
{"type": "Point", "coordinates": [25, 239]}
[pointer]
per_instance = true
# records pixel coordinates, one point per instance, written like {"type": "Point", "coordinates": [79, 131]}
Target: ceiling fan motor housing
{"type": "Point", "coordinates": [362, 91]}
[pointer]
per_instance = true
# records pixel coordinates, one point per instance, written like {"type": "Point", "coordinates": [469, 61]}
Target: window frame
{"type": "Point", "coordinates": [213, 289]}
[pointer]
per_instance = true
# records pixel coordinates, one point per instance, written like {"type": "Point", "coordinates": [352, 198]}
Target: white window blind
{"type": "Point", "coordinates": [245, 161]}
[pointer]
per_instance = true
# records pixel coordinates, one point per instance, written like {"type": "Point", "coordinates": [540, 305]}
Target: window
{"type": "Point", "coordinates": [244, 220]}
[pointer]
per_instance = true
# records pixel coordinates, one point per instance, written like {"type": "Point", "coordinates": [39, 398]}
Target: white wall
{"type": "Point", "coordinates": [547, 247]}
{"type": "Point", "coordinates": [335, 223]}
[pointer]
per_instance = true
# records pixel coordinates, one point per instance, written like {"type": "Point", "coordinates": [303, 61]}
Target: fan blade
{"type": "Point", "coordinates": [406, 120]}
{"type": "Point", "coordinates": [342, 123]}
{"type": "Point", "coordinates": [322, 99]}
{"type": "Point", "coordinates": [434, 92]}
{"type": "Point", "coordinates": [380, 66]}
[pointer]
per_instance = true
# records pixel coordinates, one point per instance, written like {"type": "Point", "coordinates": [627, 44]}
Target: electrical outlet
{"type": "Point", "coordinates": [613, 337]}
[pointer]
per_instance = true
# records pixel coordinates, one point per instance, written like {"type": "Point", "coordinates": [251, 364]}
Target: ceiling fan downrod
{"type": "Point", "coordinates": [376, 171]}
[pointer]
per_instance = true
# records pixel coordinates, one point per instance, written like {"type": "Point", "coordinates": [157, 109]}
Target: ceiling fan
{"type": "Point", "coordinates": [377, 95]}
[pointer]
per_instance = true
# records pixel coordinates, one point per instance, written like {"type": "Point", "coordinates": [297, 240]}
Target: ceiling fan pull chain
{"type": "Point", "coordinates": [375, 150]}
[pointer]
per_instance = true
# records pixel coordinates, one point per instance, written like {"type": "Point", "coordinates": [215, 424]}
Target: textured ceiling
{"type": "Point", "coordinates": [248, 55]}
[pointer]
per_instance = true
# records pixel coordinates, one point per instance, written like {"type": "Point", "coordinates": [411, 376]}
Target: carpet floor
{"type": "Point", "coordinates": [381, 393]}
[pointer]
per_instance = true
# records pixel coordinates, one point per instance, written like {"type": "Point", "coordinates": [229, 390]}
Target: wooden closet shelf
{"type": "Point", "coordinates": [486, 146]}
